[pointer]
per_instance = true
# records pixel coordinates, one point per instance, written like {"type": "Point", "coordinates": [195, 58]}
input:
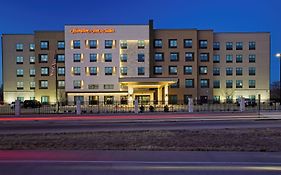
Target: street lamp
{"type": "Point", "coordinates": [278, 55]}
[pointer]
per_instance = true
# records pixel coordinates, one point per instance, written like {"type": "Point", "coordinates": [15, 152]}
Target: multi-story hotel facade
{"type": "Point", "coordinates": [107, 63]}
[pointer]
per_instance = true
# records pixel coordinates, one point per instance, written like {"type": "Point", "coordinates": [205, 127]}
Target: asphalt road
{"type": "Point", "coordinates": [138, 163]}
{"type": "Point", "coordinates": [86, 126]}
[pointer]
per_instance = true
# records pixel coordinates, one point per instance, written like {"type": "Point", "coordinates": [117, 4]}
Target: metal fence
{"type": "Point", "coordinates": [144, 107]}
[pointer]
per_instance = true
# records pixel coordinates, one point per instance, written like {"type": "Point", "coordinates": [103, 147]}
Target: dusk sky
{"type": "Point", "coordinates": [25, 16]}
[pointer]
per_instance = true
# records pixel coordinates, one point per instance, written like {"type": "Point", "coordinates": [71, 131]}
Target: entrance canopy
{"type": "Point", "coordinates": [147, 82]}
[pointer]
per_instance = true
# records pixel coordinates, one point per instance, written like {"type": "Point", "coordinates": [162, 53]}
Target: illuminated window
{"type": "Point", "coordinates": [157, 70]}
{"type": "Point", "coordinates": [189, 56]}
{"type": "Point", "coordinates": [108, 57]}
{"type": "Point", "coordinates": [203, 70]}
{"type": "Point", "coordinates": [174, 56]}
{"type": "Point", "coordinates": [20, 85]}
{"type": "Point", "coordinates": [76, 57]}
{"type": "Point", "coordinates": [173, 43]}
{"type": "Point", "coordinates": [44, 71]}
{"type": "Point", "coordinates": [108, 86]}
{"type": "Point", "coordinates": [124, 70]}
{"type": "Point", "coordinates": [43, 58]}
{"type": "Point", "coordinates": [173, 70]}
{"type": "Point", "coordinates": [252, 45]}
{"type": "Point", "coordinates": [44, 45]}
{"type": "Point", "coordinates": [216, 84]}
{"type": "Point", "coordinates": [61, 84]}
{"type": "Point", "coordinates": [19, 47]}
{"type": "Point", "coordinates": [252, 71]}
{"type": "Point", "coordinates": [140, 70]}
{"type": "Point", "coordinates": [45, 99]}
{"type": "Point", "coordinates": [239, 45]}
{"type": "Point", "coordinates": [216, 58]}
{"type": "Point", "coordinates": [159, 56]}
{"type": "Point", "coordinates": [93, 57]}
{"type": "Point", "coordinates": [173, 99]}
{"type": "Point", "coordinates": [19, 72]}
{"type": "Point", "coordinates": [216, 45]}
{"type": "Point", "coordinates": [32, 72]}
{"type": "Point", "coordinates": [31, 47]}
{"type": "Point", "coordinates": [187, 43]}
{"type": "Point", "coordinates": [239, 84]}
{"type": "Point", "coordinates": [239, 58]}
{"type": "Point", "coordinates": [204, 57]}
{"type": "Point", "coordinates": [60, 58]}
{"type": "Point", "coordinates": [203, 44]}
{"type": "Point", "coordinates": [229, 58]}
{"type": "Point", "coordinates": [189, 83]}
{"type": "Point", "coordinates": [93, 44]}
{"type": "Point", "coordinates": [61, 45]}
{"type": "Point", "coordinates": [239, 71]}
{"type": "Point", "coordinates": [79, 98]}
{"type": "Point", "coordinates": [19, 60]}
{"type": "Point", "coordinates": [252, 83]}
{"type": "Point", "coordinates": [229, 45]}
{"type": "Point", "coordinates": [76, 71]}
{"type": "Point", "coordinates": [187, 70]}
{"type": "Point", "coordinates": [141, 57]}
{"type": "Point", "coordinates": [108, 44]}
{"type": "Point", "coordinates": [229, 71]}
{"type": "Point", "coordinates": [32, 85]}
{"type": "Point", "coordinates": [61, 71]}
{"type": "Point", "coordinates": [158, 43]}
{"type": "Point", "coordinates": [77, 84]}
{"type": "Point", "coordinates": [108, 70]}
{"type": "Point", "coordinates": [123, 44]}
{"type": "Point", "coordinates": [123, 57]}
{"type": "Point", "coordinates": [140, 44]}
{"type": "Point", "coordinates": [32, 60]}
{"type": "Point", "coordinates": [43, 84]}
{"type": "Point", "coordinates": [76, 44]}
{"type": "Point", "coordinates": [108, 100]}
{"type": "Point", "coordinates": [216, 71]}
{"type": "Point", "coordinates": [204, 83]}
{"type": "Point", "coordinates": [252, 58]}
{"type": "Point", "coordinates": [93, 70]}
{"type": "Point", "coordinates": [229, 83]}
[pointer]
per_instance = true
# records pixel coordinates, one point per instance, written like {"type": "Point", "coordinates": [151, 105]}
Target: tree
{"type": "Point", "coordinates": [275, 91]}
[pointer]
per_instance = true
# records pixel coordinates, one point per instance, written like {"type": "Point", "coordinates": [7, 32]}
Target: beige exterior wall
{"type": "Point", "coordinates": [262, 65]}
{"type": "Point", "coordinates": [50, 92]}
{"type": "Point", "coordinates": [10, 67]}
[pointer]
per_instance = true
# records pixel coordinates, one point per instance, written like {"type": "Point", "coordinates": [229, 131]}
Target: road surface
{"type": "Point", "coordinates": [138, 163]}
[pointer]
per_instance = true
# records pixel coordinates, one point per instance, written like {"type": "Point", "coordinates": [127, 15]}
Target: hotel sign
{"type": "Point", "coordinates": [94, 30]}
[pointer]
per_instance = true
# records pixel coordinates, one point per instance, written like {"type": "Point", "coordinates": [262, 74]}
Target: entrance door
{"type": "Point", "coordinates": [143, 99]}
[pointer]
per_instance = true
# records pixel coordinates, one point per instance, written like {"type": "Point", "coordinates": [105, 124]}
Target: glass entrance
{"type": "Point", "coordinates": [143, 99]}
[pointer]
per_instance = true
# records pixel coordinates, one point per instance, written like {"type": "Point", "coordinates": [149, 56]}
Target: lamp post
{"type": "Point", "coordinates": [278, 55]}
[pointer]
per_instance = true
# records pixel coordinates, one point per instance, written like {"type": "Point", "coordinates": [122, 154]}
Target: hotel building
{"type": "Point", "coordinates": [107, 63]}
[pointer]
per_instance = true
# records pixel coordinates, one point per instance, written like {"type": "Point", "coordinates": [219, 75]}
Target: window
{"type": "Point", "coordinates": [93, 44]}
{"type": "Point", "coordinates": [44, 71]}
{"type": "Point", "coordinates": [229, 83]}
{"type": "Point", "coordinates": [108, 70]}
{"type": "Point", "coordinates": [32, 60]}
{"type": "Point", "coordinates": [229, 45]}
{"type": "Point", "coordinates": [216, 58]}
{"type": "Point", "coordinates": [229, 58]}
{"type": "Point", "coordinates": [93, 70]}
{"type": "Point", "coordinates": [216, 45]}
{"type": "Point", "coordinates": [19, 60]}
{"type": "Point", "coordinates": [173, 70]}
{"type": "Point", "coordinates": [239, 59]}
{"type": "Point", "coordinates": [77, 84]}
{"type": "Point", "coordinates": [216, 84]}
{"type": "Point", "coordinates": [76, 44]}
{"type": "Point", "coordinates": [216, 71]}
{"type": "Point", "coordinates": [239, 45]}
{"type": "Point", "coordinates": [173, 43]}
{"type": "Point", "coordinates": [108, 86]}
{"type": "Point", "coordinates": [108, 57]}
{"type": "Point", "coordinates": [44, 45]}
{"type": "Point", "coordinates": [252, 58]}
{"type": "Point", "coordinates": [108, 44]}
{"type": "Point", "coordinates": [252, 45]}
{"type": "Point", "coordinates": [32, 72]}
{"type": "Point", "coordinates": [216, 99]}
{"type": "Point", "coordinates": [61, 84]}
{"type": "Point", "coordinates": [189, 83]}
{"type": "Point", "coordinates": [174, 56]}
{"type": "Point", "coordinates": [141, 57]}
{"type": "Point", "coordinates": [20, 85]}
{"type": "Point", "coordinates": [140, 70]}
{"type": "Point", "coordinates": [239, 71]}
{"type": "Point", "coordinates": [203, 44]}
{"type": "Point", "coordinates": [203, 70]}
{"type": "Point", "coordinates": [77, 57]}
{"type": "Point", "coordinates": [44, 99]}
{"type": "Point", "coordinates": [93, 86]}
{"type": "Point", "coordinates": [140, 44]}
{"type": "Point", "coordinates": [43, 58]}
{"type": "Point", "coordinates": [187, 43]}
{"type": "Point", "coordinates": [173, 99]}
{"type": "Point", "coordinates": [124, 70]}
{"type": "Point", "coordinates": [123, 57]}
{"type": "Point", "coordinates": [61, 71]}
{"type": "Point", "coordinates": [60, 58]}
{"type": "Point", "coordinates": [79, 98]}
{"type": "Point", "coordinates": [76, 70]}
{"type": "Point", "coordinates": [19, 47]}
{"type": "Point", "coordinates": [252, 71]}
{"type": "Point", "coordinates": [158, 70]}
{"type": "Point", "coordinates": [252, 83]}
{"type": "Point", "coordinates": [239, 84]}
{"type": "Point", "coordinates": [32, 47]}
{"type": "Point", "coordinates": [32, 85]}
{"type": "Point", "coordinates": [229, 71]}
{"type": "Point", "coordinates": [61, 45]}
{"type": "Point", "coordinates": [124, 100]}
{"type": "Point", "coordinates": [19, 72]}
{"type": "Point", "coordinates": [204, 83]}
{"type": "Point", "coordinates": [204, 57]}
{"type": "Point", "coordinates": [108, 100]}
{"type": "Point", "coordinates": [159, 56]}
{"type": "Point", "coordinates": [158, 43]}
{"type": "Point", "coordinates": [43, 84]}
{"type": "Point", "coordinates": [187, 70]}
{"type": "Point", "coordinates": [123, 44]}
{"type": "Point", "coordinates": [93, 57]}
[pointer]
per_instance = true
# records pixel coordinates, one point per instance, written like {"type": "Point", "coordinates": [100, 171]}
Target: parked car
{"type": "Point", "coordinates": [31, 104]}
{"type": "Point", "coordinates": [12, 105]}
{"type": "Point", "coordinates": [248, 102]}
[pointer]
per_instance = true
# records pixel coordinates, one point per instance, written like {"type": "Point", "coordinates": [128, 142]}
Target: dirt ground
{"type": "Point", "coordinates": [262, 139]}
